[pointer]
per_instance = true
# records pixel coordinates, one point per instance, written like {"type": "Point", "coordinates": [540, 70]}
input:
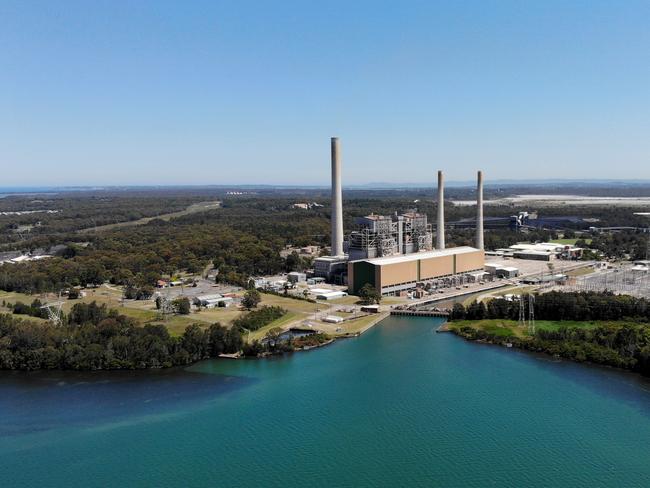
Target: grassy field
{"type": "Point", "coordinates": [499, 293]}
{"type": "Point", "coordinates": [508, 328]}
{"type": "Point", "coordinates": [362, 323]}
{"type": "Point", "coordinates": [145, 310]}
{"type": "Point", "coordinates": [570, 242]}
{"type": "Point", "coordinates": [581, 271]}
{"type": "Point", "coordinates": [282, 322]}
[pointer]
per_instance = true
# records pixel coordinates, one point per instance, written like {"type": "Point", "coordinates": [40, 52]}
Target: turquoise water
{"type": "Point", "coordinates": [399, 406]}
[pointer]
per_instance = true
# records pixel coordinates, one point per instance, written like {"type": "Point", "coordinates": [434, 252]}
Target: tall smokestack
{"type": "Point", "coordinates": [440, 234]}
{"type": "Point", "coordinates": [337, 201]}
{"type": "Point", "coordinates": [479, 211]}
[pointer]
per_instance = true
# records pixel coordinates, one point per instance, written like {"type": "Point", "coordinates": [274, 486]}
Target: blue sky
{"type": "Point", "coordinates": [228, 92]}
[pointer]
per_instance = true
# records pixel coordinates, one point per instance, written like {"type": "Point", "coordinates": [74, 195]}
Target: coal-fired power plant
{"type": "Point", "coordinates": [395, 253]}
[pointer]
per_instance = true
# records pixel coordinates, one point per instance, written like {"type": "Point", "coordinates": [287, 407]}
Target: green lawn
{"type": "Point", "coordinates": [145, 311]}
{"type": "Point", "coordinates": [282, 322]}
{"type": "Point", "coordinates": [570, 242]}
{"type": "Point", "coordinates": [580, 271]}
{"type": "Point", "coordinates": [507, 328]}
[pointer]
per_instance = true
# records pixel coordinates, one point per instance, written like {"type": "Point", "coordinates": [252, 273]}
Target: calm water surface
{"type": "Point", "coordinates": [400, 406]}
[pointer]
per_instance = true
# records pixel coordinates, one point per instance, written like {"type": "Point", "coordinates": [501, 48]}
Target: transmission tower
{"type": "Point", "coordinates": [54, 312]}
{"type": "Point", "coordinates": [522, 311]}
{"type": "Point", "coordinates": [531, 314]}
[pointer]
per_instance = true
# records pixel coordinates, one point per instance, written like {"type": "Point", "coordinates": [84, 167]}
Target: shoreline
{"type": "Point", "coordinates": [523, 345]}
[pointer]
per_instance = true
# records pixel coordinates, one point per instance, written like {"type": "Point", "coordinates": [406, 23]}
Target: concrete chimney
{"type": "Point", "coordinates": [440, 234]}
{"type": "Point", "coordinates": [479, 211]}
{"type": "Point", "coordinates": [337, 200]}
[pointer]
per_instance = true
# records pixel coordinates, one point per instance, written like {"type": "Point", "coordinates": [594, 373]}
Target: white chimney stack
{"type": "Point", "coordinates": [440, 234]}
{"type": "Point", "coordinates": [337, 200]}
{"type": "Point", "coordinates": [479, 211]}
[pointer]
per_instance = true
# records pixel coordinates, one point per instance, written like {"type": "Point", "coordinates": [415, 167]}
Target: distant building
{"type": "Point", "coordinates": [544, 251]}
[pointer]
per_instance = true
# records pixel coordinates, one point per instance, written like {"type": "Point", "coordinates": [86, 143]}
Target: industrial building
{"type": "Point", "coordinates": [212, 301]}
{"type": "Point", "coordinates": [501, 271]}
{"type": "Point", "coordinates": [524, 221]}
{"type": "Point", "coordinates": [394, 253]}
{"type": "Point", "coordinates": [381, 235]}
{"type": "Point", "coordinates": [544, 251]}
{"type": "Point", "coordinates": [391, 275]}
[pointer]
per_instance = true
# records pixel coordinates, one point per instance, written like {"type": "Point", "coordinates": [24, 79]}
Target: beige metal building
{"type": "Point", "coordinates": [393, 274]}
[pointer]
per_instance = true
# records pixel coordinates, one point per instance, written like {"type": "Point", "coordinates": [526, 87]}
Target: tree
{"type": "Point", "coordinates": [369, 294]}
{"type": "Point", "coordinates": [458, 312]}
{"type": "Point", "coordinates": [293, 262]}
{"type": "Point", "coordinates": [252, 299]}
{"type": "Point", "coordinates": [182, 305]}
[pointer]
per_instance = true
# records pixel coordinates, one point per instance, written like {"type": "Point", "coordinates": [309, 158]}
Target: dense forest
{"type": "Point", "coordinates": [620, 339]}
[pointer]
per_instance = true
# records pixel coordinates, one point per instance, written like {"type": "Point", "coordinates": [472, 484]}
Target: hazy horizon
{"type": "Point", "coordinates": [587, 183]}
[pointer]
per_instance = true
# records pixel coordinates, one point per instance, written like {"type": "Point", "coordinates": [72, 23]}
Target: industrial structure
{"type": "Point", "coordinates": [395, 253]}
{"type": "Point", "coordinates": [382, 235]}
{"type": "Point", "coordinates": [334, 267]}
{"type": "Point", "coordinates": [542, 251]}
{"type": "Point", "coordinates": [479, 211]}
{"type": "Point", "coordinates": [524, 221]}
{"type": "Point", "coordinates": [440, 228]}
{"type": "Point", "coordinates": [392, 275]}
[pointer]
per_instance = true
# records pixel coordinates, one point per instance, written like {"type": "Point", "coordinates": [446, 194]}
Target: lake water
{"type": "Point", "coordinates": [399, 406]}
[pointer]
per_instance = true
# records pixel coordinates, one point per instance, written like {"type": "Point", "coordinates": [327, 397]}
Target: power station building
{"type": "Point", "coordinates": [383, 235]}
{"type": "Point", "coordinates": [394, 274]}
{"type": "Point", "coordinates": [394, 253]}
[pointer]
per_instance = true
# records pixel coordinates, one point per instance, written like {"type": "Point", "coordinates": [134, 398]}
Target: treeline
{"type": "Point", "coordinates": [556, 305]}
{"type": "Point", "coordinates": [622, 345]}
{"type": "Point", "coordinates": [35, 309]}
{"type": "Point", "coordinates": [622, 340]}
{"type": "Point", "coordinates": [622, 244]}
{"type": "Point", "coordinates": [95, 338]}
{"type": "Point", "coordinates": [256, 319]}
{"type": "Point", "coordinates": [84, 210]}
